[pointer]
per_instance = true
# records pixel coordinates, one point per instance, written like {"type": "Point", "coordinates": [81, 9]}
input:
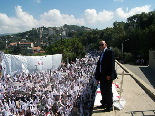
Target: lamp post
{"type": "Point", "coordinates": [122, 51]}
{"type": "Point", "coordinates": [123, 48]}
{"type": "Point", "coordinates": [6, 46]}
{"type": "Point", "coordinates": [61, 42]}
{"type": "Point", "coordinates": [61, 47]}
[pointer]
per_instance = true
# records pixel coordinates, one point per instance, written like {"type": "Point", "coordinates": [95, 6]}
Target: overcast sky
{"type": "Point", "coordinates": [23, 15]}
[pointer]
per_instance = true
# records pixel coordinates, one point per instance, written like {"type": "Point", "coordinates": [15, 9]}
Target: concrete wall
{"type": "Point", "coordinates": [152, 59]}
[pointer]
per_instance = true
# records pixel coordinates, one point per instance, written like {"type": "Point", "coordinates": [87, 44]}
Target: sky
{"type": "Point", "coordinates": [23, 15]}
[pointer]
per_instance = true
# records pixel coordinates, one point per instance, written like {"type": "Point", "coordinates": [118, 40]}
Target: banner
{"type": "Point", "coordinates": [0, 65]}
{"type": "Point", "coordinates": [15, 64]}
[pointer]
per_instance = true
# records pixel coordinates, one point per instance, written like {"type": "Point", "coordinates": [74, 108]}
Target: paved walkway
{"type": "Point", "coordinates": [138, 102]}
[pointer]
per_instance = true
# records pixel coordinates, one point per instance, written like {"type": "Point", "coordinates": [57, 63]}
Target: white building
{"type": "Point", "coordinates": [51, 32]}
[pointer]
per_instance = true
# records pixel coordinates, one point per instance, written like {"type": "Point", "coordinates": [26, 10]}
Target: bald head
{"type": "Point", "coordinates": [102, 45]}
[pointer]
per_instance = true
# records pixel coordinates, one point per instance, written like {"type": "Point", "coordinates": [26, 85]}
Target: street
{"type": "Point", "coordinates": [145, 73]}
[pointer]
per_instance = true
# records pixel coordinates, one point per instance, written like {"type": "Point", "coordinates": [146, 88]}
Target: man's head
{"type": "Point", "coordinates": [102, 45]}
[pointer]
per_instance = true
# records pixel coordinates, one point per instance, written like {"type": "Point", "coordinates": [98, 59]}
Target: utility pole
{"type": "Point", "coordinates": [61, 48]}
{"type": "Point", "coordinates": [122, 51]}
{"type": "Point", "coordinates": [123, 48]}
{"type": "Point", "coordinates": [6, 46]}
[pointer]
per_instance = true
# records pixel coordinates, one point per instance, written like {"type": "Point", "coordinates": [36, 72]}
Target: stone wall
{"type": "Point", "coordinates": [152, 59]}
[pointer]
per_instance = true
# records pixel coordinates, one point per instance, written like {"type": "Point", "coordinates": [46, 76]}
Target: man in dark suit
{"type": "Point", "coordinates": [105, 74]}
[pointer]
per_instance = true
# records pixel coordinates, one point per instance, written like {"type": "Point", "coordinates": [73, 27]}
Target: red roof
{"type": "Point", "coordinates": [42, 51]}
{"type": "Point", "coordinates": [36, 48]}
{"type": "Point", "coordinates": [13, 44]}
{"type": "Point", "coordinates": [25, 42]}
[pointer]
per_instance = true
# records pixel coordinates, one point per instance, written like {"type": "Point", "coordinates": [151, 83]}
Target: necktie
{"type": "Point", "coordinates": [101, 56]}
{"type": "Point", "coordinates": [101, 60]}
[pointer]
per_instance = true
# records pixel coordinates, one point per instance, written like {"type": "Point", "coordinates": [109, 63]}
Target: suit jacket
{"type": "Point", "coordinates": [107, 66]}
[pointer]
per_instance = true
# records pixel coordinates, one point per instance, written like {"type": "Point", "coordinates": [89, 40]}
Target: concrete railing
{"type": "Point", "coordinates": [144, 85]}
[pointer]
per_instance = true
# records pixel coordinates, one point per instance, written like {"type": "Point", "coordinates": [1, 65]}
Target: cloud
{"type": "Point", "coordinates": [38, 1]}
{"type": "Point", "coordinates": [24, 18]}
{"type": "Point", "coordinates": [21, 22]}
{"type": "Point", "coordinates": [100, 20]}
{"type": "Point", "coordinates": [91, 16]}
{"type": "Point", "coordinates": [137, 10]}
{"type": "Point", "coordinates": [24, 21]}
{"type": "Point", "coordinates": [55, 18]}
{"type": "Point", "coordinates": [127, 9]}
{"type": "Point", "coordinates": [118, 0]}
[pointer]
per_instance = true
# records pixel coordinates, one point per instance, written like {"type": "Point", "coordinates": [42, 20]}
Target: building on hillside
{"type": "Point", "coordinates": [51, 32]}
{"type": "Point", "coordinates": [57, 28]}
{"type": "Point", "coordinates": [45, 33]}
{"type": "Point", "coordinates": [40, 32]}
{"type": "Point", "coordinates": [13, 45]}
{"type": "Point", "coordinates": [87, 29]}
{"type": "Point", "coordinates": [63, 34]}
{"type": "Point", "coordinates": [42, 51]}
{"type": "Point", "coordinates": [24, 44]}
{"type": "Point", "coordinates": [39, 42]}
{"type": "Point", "coordinates": [38, 50]}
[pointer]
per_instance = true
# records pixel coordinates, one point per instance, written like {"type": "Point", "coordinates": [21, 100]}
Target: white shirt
{"type": "Point", "coordinates": [102, 57]}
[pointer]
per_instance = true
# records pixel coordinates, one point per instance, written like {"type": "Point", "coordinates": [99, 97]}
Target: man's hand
{"type": "Point", "coordinates": [108, 78]}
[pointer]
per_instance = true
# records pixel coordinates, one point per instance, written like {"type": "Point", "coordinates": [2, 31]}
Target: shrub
{"type": "Point", "coordinates": [128, 58]}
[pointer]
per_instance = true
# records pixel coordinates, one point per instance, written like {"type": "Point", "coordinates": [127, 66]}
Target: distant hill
{"type": "Point", "coordinates": [68, 28]}
{"type": "Point", "coordinates": [6, 34]}
{"type": "Point", "coordinates": [75, 28]}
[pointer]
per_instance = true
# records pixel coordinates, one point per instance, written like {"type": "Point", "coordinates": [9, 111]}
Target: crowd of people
{"type": "Point", "coordinates": [66, 91]}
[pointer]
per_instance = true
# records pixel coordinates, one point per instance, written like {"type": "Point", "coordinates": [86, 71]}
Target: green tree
{"type": "Point", "coordinates": [119, 34]}
{"type": "Point", "coordinates": [71, 49]}
{"type": "Point", "coordinates": [17, 50]}
{"type": "Point", "coordinates": [2, 45]}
